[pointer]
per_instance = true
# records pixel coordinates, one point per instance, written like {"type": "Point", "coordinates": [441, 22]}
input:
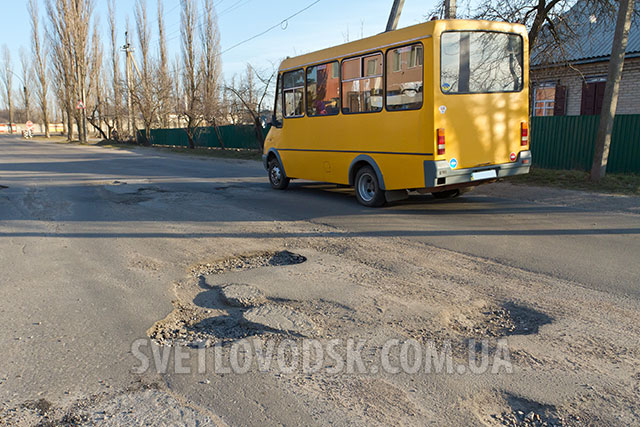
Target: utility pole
{"type": "Point", "coordinates": [128, 52]}
{"type": "Point", "coordinates": [394, 16]}
{"type": "Point", "coordinates": [611, 90]}
{"type": "Point", "coordinates": [450, 9]}
{"type": "Point", "coordinates": [26, 101]}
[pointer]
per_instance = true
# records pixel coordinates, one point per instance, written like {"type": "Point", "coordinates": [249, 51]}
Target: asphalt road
{"type": "Point", "coordinates": [594, 246]}
{"type": "Point", "coordinates": [68, 236]}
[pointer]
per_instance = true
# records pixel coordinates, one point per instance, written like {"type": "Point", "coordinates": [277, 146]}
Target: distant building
{"type": "Point", "coordinates": [570, 80]}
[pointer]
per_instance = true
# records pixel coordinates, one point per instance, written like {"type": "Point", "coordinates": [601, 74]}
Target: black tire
{"type": "Point", "coordinates": [447, 194]}
{"type": "Point", "coordinates": [277, 178]}
{"type": "Point", "coordinates": [368, 191]}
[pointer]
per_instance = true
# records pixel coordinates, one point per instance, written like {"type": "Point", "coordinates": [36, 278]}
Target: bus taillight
{"type": "Point", "coordinates": [440, 141]}
{"type": "Point", "coordinates": [524, 134]}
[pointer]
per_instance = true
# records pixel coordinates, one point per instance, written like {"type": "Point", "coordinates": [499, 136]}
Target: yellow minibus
{"type": "Point", "coordinates": [435, 107]}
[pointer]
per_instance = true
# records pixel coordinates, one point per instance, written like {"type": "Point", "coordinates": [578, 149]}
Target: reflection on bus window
{"type": "Point", "coordinates": [323, 90]}
{"type": "Point", "coordinates": [481, 62]}
{"type": "Point", "coordinates": [405, 78]}
{"type": "Point", "coordinates": [293, 85]}
{"type": "Point", "coordinates": [362, 84]}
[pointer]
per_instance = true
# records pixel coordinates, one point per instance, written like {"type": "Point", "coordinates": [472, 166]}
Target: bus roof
{"type": "Point", "coordinates": [398, 37]}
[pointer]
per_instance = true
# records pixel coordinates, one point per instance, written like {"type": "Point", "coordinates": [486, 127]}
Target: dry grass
{"type": "Point", "coordinates": [579, 180]}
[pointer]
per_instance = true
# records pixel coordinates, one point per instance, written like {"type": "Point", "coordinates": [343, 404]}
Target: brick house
{"type": "Point", "coordinates": [570, 80]}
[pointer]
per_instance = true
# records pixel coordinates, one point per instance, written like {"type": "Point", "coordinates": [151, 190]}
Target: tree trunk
{"type": "Point", "coordinates": [259, 132]}
{"type": "Point", "coordinates": [610, 102]}
{"type": "Point", "coordinates": [45, 118]}
{"type": "Point", "coordinates": [10, 115]}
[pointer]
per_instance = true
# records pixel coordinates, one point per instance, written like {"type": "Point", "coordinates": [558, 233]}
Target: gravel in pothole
{"type": "Point", "coordinates": [510, 319]}
{"type": "Point", "coordinates": [525, 413]}
{"type": "Point", "coordinates": [248, 261]}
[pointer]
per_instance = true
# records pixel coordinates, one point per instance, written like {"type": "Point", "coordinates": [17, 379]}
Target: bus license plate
{"type": "Point", "coordinates": [476, 176]}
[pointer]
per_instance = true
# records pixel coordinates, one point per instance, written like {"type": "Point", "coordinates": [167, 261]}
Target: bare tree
{"type": "Point", "coordinates": [610, 102]}
{"type": "Point", "coordinates": [7, 80]}
{"type": "Point", "coordinates": [61, 60]}
{"type": "Point", "coordinates": [191, 78]}
{"type": "Point", "coordinates": [535, 14]}
{"type": "Point", "coordinates": [116, 84]}
{"type": "Point", "coordinates": [39, 52]}
{"type": "Point", "coordinates": [210, 68]}
{"type": "Point", "coordinates": [27, 71]}
{"type": "Point", "coordinates": [164, 86]}
{"type": "Point", "coordinates": [144, 93]}
{"type": "Point", "coordinates": [252, 93]}
{"type": "Point", "coordinates": [96, 85]}
{"type": "Point", "coordinates": [70, 21]}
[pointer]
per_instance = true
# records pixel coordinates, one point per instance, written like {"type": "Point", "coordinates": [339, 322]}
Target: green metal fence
{"type": "Point", "coordinates": [568, 142]}
{"type": "Point", "coordinates": [240, 136]}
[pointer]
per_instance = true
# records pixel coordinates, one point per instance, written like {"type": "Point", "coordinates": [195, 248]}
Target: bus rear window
{"type": "Point", "coordinates": [480, 62]}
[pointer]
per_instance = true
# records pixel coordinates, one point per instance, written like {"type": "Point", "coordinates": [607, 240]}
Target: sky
{"type": "Point", "coordinates": [326, 23]}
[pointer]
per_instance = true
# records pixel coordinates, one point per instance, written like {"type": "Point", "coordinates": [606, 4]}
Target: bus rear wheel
{"type": "Point", "coordinates": [368, 191]}
{"type": "Point", "coordinates": [277, 177]}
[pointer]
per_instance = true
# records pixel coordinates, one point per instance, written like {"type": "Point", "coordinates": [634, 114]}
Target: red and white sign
{"type": "Point", "coordinates": [29, 125]}
{"type": "Point", "coordinates": [513, 157]}
{"type": "Point", "coordinates": [80, 105]}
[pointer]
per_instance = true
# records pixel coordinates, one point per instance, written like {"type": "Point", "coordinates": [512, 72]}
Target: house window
{"type": "Point", "coordinates": [545, 99]}
{"type": "Point", "coordinates": [592, 96]}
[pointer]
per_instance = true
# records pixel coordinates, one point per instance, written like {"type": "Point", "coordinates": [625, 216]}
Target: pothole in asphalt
{"type": "Point", "coordinates": [525, 412]}
{"type": "Point", "coordinates": [232, 311]}
{"type": "Point", "coordinates": [2, 187]}
{"type": "Point", "coordinates": [508, 320]}
{"type": "Point", "coordinates": [248, 261]}
{"type": "Point", "coordinates": [223, 314]}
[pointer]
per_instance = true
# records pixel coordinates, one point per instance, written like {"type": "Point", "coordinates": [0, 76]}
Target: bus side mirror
{"type": "Point", "coordinates": [275, 122]}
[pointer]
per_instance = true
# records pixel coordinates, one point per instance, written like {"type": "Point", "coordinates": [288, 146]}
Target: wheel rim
{"type": "Point", "coordinates": [366, 187]}
{"type": "Point", "coordinates": [275, 175]}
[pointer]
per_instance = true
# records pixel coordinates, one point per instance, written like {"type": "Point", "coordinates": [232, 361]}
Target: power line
{"type": "Point", "coordinates": [279, 24]}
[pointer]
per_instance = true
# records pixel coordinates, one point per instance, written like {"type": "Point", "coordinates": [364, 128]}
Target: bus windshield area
{"type": "Point", "coordinates": [481, 62]}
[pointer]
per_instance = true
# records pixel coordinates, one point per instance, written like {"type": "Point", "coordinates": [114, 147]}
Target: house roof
{"type": "Point", "coordinates": [591, 40]}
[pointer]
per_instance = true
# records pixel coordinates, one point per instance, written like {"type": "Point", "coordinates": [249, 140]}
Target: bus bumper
{"type": "Point", "coordinates": [438, 173]}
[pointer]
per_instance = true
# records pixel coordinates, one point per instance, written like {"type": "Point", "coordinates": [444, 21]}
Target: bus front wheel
{"type": "Point", "coordinates": [368, 191]}
{"type": "Point", "coordinates": [277, 177]}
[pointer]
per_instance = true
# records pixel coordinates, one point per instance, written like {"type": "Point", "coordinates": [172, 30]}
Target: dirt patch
{"type": "Point", "coordinates": [242, 295]}
{"type": "Point", "coordinates": [139, 404]}
{"type": "Point", "coordinates": [248, 261]}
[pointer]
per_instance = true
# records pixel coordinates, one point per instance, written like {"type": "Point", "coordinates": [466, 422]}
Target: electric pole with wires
{"type": "Point", "coordinates": [128, 50]}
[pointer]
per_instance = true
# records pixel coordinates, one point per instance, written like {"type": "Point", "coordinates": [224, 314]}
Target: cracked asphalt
{"type": "Point", "coordinates": [93, 242]}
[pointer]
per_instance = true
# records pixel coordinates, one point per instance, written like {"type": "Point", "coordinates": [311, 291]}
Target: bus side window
{"type": "Point", "coordinates": [405, 78]}
{"type": "Point", "coordinates": [293, 85]}
{"type": "Point", "coordinates": [362, 83]}
{"type": "Point", "coordinates": [323, 89]}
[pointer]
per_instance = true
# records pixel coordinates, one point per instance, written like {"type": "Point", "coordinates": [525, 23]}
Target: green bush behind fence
{"type": "Point", "coordinates": [568, 142]}
{"type": "Point", "coordinates": [233, 136]}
